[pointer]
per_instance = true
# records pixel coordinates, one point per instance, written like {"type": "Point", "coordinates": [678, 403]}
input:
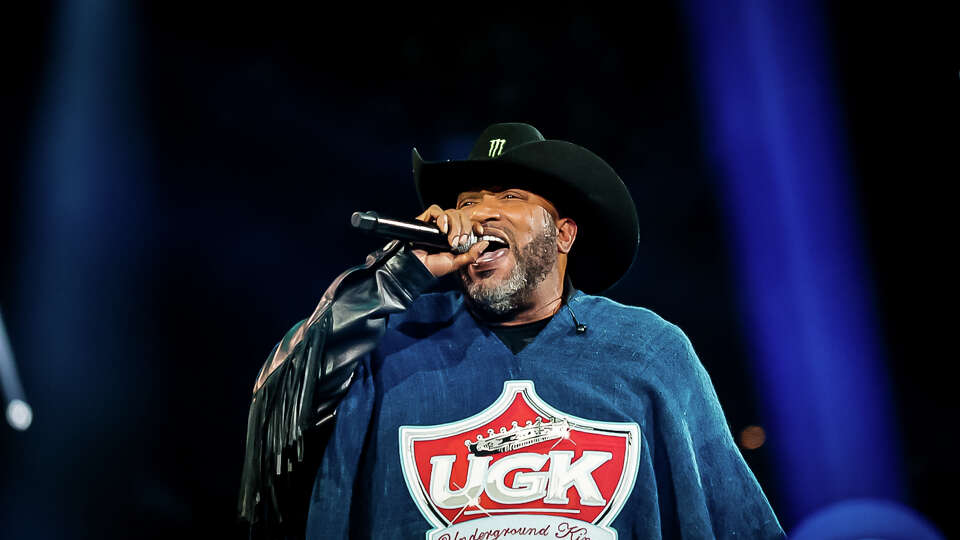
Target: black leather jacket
{"type": "Point", "coordinates": [300, 385]}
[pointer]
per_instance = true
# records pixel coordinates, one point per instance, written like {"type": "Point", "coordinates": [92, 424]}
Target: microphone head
{"type": "Point", "coordinates": [364, 220]}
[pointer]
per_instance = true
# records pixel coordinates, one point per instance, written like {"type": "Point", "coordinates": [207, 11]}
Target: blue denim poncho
{"type": "Point", "coordinates": [436, 371]}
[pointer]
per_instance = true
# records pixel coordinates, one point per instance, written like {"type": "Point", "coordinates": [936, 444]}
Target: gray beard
{"type": "Point", "coordinates": [534, 263]}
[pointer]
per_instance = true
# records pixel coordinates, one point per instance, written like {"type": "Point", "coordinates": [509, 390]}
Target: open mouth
{"type": "Point", "coordinates": [497, 249]}
{"type": "Point", "coordinates": [495, 243]}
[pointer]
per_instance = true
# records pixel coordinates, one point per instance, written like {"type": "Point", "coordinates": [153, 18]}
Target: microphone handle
{"type": "Point", "coordinates": [417, 232]}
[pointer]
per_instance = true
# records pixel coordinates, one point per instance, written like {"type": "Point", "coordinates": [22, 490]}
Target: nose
{"type": "Point", "coordinates": [486, 209]}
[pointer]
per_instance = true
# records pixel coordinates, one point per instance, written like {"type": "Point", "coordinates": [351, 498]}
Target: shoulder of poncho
{"type": "Point", "coordinates": [625, 317]}
{"type": "Point", "coordinates": [640, 326]}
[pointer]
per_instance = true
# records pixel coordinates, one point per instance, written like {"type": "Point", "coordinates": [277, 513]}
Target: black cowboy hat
{"type": "Point", "coordinates": [579, 184]}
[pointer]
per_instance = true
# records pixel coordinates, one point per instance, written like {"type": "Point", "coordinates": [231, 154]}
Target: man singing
{"type": "Point", "coordinates": [520, 405]}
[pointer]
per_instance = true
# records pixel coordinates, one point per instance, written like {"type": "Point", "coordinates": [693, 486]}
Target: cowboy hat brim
{"type": "Point", "coordinates": [578, 182]}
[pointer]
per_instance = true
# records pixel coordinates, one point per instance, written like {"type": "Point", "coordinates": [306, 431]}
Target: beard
{"type": "Point", "coordinates": [534, 263]}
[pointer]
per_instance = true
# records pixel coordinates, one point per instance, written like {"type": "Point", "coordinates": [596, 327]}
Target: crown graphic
{"type": "Point", "coordinates": [518, 436]}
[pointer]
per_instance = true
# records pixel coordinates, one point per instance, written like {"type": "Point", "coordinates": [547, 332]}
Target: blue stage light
{"type": "Point", "coordinates": [777, 142]}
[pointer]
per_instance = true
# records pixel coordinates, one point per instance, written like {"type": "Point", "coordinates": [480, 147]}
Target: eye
{"type": "Point", "coordinates": [511, 196]}
{"type": "Point", "coordinates": [465, 203]}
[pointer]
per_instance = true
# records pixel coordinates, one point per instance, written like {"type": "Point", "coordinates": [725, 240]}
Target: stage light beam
{"type": "Point", "coordinates": [18, 412]}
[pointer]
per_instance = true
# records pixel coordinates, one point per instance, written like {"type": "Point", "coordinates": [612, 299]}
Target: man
{"type": "Point", "coordinates": [516, 407]}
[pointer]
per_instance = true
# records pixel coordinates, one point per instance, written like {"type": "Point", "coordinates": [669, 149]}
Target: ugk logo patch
{"type": "Point", "coordinates": [520, 469]}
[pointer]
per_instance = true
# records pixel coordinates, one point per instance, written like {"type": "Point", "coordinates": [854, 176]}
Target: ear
{"type": "Point", "coordinates": [566, 234]}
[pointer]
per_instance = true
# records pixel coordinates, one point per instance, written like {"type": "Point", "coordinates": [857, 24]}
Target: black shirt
{"type": "Point", "coordinates": [519, 336]}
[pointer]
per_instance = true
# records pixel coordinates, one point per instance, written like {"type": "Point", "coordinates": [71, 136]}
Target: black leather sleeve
{"type": "Point", "coordinates": [309, 371]}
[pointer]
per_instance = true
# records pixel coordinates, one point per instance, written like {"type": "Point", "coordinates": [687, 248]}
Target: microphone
{"type": "Point", "coordinates": [417, 232]}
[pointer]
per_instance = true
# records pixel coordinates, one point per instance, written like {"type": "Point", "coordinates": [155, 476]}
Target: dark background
{"type": "Point", "coordinates": [256, 131]}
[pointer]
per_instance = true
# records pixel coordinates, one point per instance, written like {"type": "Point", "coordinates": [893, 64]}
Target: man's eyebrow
{"type": "Point", "coordinates": [470, 195]}
{"type": "Point", "coordinates": [467, 196]}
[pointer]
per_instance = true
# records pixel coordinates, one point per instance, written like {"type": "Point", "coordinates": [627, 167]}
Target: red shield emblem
{"type": "Point", "coordinates": [520, 469]}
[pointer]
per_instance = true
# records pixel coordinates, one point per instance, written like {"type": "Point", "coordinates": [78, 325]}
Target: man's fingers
{"type": "Point", "coordinates": [454, 230]}
{"type": "Point", "coordinates": [471, 255]}
{"type": "Point", "coordinates": [430, 213]}
{"type": "Point", "coordinates": [466, 226]}
{"type": "Point", "coordinates": [456, 224]}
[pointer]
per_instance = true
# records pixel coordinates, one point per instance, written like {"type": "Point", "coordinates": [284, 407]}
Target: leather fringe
{"type": "Point", "coordinates": [280, 414]}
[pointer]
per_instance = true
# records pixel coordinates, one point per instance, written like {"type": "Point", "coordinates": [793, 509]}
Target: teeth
{"type": "Point", "coordinates": [462, 248]}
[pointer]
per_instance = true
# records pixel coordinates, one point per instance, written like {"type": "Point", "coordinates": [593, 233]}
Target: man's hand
{"type": "Point", "coordinates": [457, 225]}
